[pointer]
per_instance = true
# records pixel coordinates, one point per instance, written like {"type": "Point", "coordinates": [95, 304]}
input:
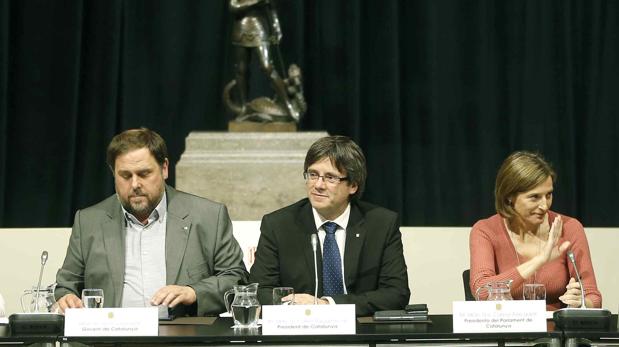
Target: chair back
{"type": "Point", "coordinates": [466, 280]}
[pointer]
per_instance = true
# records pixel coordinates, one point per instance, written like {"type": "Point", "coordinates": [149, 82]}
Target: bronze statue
{"type": "Point", "coordinates": [256, 28]}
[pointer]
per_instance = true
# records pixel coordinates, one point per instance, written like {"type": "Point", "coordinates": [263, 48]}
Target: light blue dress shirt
{"type": "Point", "coordinates": [145, 266]}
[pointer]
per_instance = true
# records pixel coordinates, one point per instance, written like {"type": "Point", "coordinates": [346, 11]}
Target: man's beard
{"type": "Point", "coordinates": [141, 209]}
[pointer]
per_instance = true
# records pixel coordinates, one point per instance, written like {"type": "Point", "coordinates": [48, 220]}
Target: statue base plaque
{"type": "Point", "coordinates": [246, 126]}
{"type": "Point", "coordinates": [253, 173]}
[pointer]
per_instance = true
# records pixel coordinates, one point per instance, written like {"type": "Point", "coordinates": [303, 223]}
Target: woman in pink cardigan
{"type": "Point", "coordinates": [526, 242]}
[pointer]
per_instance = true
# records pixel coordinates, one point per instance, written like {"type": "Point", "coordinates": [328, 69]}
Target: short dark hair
{"type": "Point", "coordinates": [133, 139]}
{"type": "Point", "coordinates": [345, 155]}
{"type": "Point", "coordinates": [521, 171]}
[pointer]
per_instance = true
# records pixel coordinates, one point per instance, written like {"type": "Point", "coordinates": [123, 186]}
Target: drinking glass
{"type": "Point", "coordinates": [92, 298]}
{"type": "Point", "coordinates": [534, 291]}
{"type": "Point", "coordinates": [280, 292]}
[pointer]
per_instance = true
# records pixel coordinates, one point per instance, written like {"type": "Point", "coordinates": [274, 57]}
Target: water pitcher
{"type": "Point", "coordinates": [42, 300]}
{"type": "Point", "coordinates": [245, 308]}
{"type": "Point", "coordinates": [499, 290]}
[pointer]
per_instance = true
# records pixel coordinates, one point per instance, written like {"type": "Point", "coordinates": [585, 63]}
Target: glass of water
{"type": "Point", "coordinates": [534, 291]}
{"type": "Point", "coordinates": [92, 298]}
{"type": "Point", "coordinates": [279, 293]}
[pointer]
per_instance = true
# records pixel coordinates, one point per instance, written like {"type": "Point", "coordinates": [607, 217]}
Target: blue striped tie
{"type": "Point", "coordinates": [331, 263]}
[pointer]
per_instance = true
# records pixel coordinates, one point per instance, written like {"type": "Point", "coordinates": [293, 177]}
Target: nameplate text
{"type": "Point", "coordinates": [308, 320]}
{"type": "Point", "coordinates": [499, 316]}
{"type": "Point", "coordinates": [134, 321]}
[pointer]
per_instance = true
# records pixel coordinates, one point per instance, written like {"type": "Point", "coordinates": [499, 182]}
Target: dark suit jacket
{"type": "Point", "coordinates": [374, 267]}
{"type": "Point", "coordinates": [200, 249]}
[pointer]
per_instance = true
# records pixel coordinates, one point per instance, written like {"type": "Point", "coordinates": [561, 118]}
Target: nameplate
{"type": "Point", "coordinates": [134, 321]}
{"type": "Point", "coordinates": [499, 316]}
{"type": "Point", "coordinates": [308, 320]}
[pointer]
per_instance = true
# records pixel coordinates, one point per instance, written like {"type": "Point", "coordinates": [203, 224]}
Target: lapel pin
{"type": "Point", "coordinates": [356, 235]}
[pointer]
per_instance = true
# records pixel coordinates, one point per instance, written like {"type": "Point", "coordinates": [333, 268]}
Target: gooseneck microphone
{"type": "Point", "coordinates": [35, 322]}
{"type": "Point", "coordinates": [578, 318]}
{"type": "Point", "coordinates": [44, 256]}
{"type": "Point", "coordinates": [315, 249]}
{"type": "Point", "coordinates": [571, 257]}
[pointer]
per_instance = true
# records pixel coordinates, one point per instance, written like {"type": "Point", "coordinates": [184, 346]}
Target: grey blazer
{"type": "Point", "coordinates": [201, 252]}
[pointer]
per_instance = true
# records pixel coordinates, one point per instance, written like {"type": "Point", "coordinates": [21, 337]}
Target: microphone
{"type": "Point", "coordinates": [37, 323]}
{"type": "Point", "coordinates": [571, 257]}
{"type": "Point", "coordinates": [44, 257]}
{"type": "Point", "coordinates": [314, 249]}
{"type": "Point", "coordinates": [581, 317]}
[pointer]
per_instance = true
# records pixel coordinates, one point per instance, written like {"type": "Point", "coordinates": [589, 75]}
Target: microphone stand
{"type": "Point", "coordinates": [581, 317]}
{"type": "Point", "coordinates": [44, 256]}
{"type": "Point", "coordinates": [570, 255]}
{"type": "Point", "coordinates": [35, 322]}
{"type": "Point", "coordinates": [314, 248]}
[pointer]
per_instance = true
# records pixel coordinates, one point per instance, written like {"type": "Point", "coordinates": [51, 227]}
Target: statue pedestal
{"type": "Point", "coordinates": [252, 173]}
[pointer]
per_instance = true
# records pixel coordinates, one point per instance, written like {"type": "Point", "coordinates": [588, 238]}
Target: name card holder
{"type": "Point", "coordinates": [134, 321]}
{"type": "Point", "coordinates": [308, 320]}
{"type": "Point", "coordinates": [499, 316]}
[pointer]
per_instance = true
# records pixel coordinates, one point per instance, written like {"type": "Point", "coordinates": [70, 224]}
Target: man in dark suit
{"type": "Point", "coordinates": [372, 274]}
{"type": "Point", "coordinates": [150, 244]}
